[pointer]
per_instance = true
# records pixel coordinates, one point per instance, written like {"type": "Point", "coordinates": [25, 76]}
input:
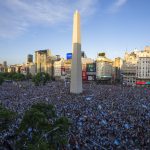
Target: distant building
{"type": "Point", "coordinates": [86, 64]}
{"type": "Point", "coordinates": [129, 73]}
{"type": "Point", "coordinates": [83, 55]}
{"type": "Point", "coordinates": [5, 63]}
{"type": "Point", "coordinates": [118, 62]}
{"type": "Point", "coordinates": [29, 59]}
{"type": "Point", "coordinates": [43, 61]}
{"type": "Point", "coordinates": [129, 67]}
{"type": "Point", "coordinates": [131, 58]}
{"type": "Point", "coordinates": [67, 68]}
{"type": "Point", "coordinates": [85, 61]}
{"type": "Point", "coordinates": [147, 49]}
{"type": "Point", "coordinates": [12, 68]}
{"type": "Point", "coordinates": [117, 66]}
{"type": "Point", "coordinates": [143, 65]}
{"type": "Point", "coordinates": [58, 66]}
{"type": "Point", "coordinates": [136, 66]}
{"type": "Point", "coordinates": [1, 68]}
{"type": "Point", "coordinates": [32, 68]}
{"type": "Point", "coordinates": [104, 69]}
{"type": "Point", "coordinates": [143, 69]}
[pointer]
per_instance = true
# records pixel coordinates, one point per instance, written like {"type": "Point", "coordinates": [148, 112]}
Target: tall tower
{"type": "Point", "coordinates": [76, 67]}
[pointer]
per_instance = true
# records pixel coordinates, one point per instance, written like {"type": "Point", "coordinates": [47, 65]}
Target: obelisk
{"type": "Point", "coordinates": [76, 67]}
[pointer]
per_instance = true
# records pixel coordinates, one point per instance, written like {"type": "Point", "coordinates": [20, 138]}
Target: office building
{"type": "Point", "coordinates": [43, 61]}
{"type": "Point", "coordinates": [104, 68]}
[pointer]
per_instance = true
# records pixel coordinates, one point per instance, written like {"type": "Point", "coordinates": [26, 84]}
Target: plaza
{"type": "Point", "coordinates": [102, 117]}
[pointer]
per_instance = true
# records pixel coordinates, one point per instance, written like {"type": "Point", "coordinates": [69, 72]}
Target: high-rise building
{"type": "Point", "coordinates": [58, 65]}
{"type": "Point", "coordinates": [136, 66]}
{"type": "Point", "coordinates": [5, 67]}
{"type": "Point", "coordinates": [76, 67]}
{"type": "Point", "coordinates": [43, 61]}
{"type": "Point", "coordinates": [118, 62]}
{"type": "Point", "coordinates": [1, 68]}
{"type": "Point", "coordinates": [32, 68]}
{"type": "Point", "coordinates": [29, 58]}
{"type": "Point", "coordinates": [143, 66]}
{"type": "Point", "coordinates": [5, 63]}
{"type": "Point", "coordinates": [83, 55]}
{"type": "Point", "coordinates": [117, 66]}
{"type": "Point", "coordinates": [143, 69]}
{"type": "Point", "coordinates": [129, 67]}
{"type": "Point", "coordinates": [129, 73]}
{"type": "Point", "coordinates": [104, 68]}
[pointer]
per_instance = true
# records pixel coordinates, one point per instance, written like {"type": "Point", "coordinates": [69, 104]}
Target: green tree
{"type": "Point", "coordinates": [42, 129]}
{"type": "Point", "coordinates": [29, 76]}
{"type": "Point", "coordinates": [18, 77]}
{"type": "Point", "coordinates": [1, 80]}
{"type": "Point", "coordinates": [6, 118]}
{"type": "Point", "coordinates": [41, 78]}
{"type": "Point", "coordinates": [12, 76]}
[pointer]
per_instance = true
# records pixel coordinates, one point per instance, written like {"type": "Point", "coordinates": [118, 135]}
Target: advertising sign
{"type": "Point", "coordinates": [142, 83]}
{"type": "Point", "coordinates": [84, 75]}
{"type": "Point", "coordinates": [69, 56]}
{"type": "Point", "coordinates": [90, 78]}
{"type": "Point", "coordinates": [91, 67]}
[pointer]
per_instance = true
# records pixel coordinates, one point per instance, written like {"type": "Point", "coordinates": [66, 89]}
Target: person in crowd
{"type": "Point", "coordinates": [102, 117]}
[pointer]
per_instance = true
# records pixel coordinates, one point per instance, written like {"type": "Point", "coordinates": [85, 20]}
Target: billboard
{"type": "Point", "coordinates": [142, 83]}
{"type": "Point", "coordinates": [69, 56]}
{"type": "Point", "coordinates": [91, 77]}
{"type": "Point", "coordinates": [91, 67]}
{"type": "Point", "coordinates": [84, 75]}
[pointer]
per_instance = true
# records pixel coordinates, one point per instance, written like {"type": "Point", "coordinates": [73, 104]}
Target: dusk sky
{"type": "Point", "coordinates": [111, 26]}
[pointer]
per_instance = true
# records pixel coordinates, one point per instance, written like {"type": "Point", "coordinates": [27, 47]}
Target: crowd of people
{"type": "Point", "coordinates": [102, 117]}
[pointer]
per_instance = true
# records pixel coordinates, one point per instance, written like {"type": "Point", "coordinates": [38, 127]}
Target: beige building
{"type": "Point", "coordinates": [31, 68]}
{"type": "Point", "coordinates": [131, 58]}
{"type": "Point", "coordinates": [118, 62]}
{"type": "Point", "coordinates": [129, 73]}
{"type": "Point", "coordinates": [143, 65]}
{"type": "Point", "coordinates": [136, 66]}
{"type": "Point", "coordinates": [117, 66]}
{"type": "Point", "coordinates": [147, 49]}
{"type": "Point", "coordinates": [58, 66]}
{"type": "Point", "coordinates": [129, 67]}
{"type": "Point", "coordinates": [104, 68]}
{"type": "Point", "coordinates": [143, 69]}
{"type": "Point", "coordinates": [1, 68]}
{"type": "Point", "coordinates": [67, 68]}
{"type": "Point", "coordinates": [43, 61]}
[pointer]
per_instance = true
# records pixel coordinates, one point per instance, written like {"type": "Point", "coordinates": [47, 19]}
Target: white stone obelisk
{"type": "Point", "coordinates": [76, 67]}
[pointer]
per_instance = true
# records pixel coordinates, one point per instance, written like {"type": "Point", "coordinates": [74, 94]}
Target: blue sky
{"type": "Point", "coordinates": [111, 26]}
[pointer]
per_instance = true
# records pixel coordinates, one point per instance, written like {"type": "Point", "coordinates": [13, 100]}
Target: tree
{"type": "Point", "coordinates": [12, 76]}
{"type": "Point", "coordinates": [6, 118]}
{"type": "Point", "coordinates": [41, 78]}
{"type": "Point", "coordinates": [42, 129]}
{"type": "Point", "coordinates": [18, 77]}
{"type": "Point", "coordinates": [29, 76]}
{"type": "Point", "coordinates": [1, 80]}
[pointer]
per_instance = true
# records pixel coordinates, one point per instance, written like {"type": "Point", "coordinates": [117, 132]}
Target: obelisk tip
{"type": "Point", "coordinates": [76, 11]}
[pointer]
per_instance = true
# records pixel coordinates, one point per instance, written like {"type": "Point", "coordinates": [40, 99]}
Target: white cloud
{"type": "Point", "coordinates": [17, 15]}
{"type": "Point", "coordinates": [117, 5]}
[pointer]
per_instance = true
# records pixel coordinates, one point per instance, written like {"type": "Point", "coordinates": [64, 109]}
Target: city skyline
{"type": "Point", "coordinates": [112, 26]}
